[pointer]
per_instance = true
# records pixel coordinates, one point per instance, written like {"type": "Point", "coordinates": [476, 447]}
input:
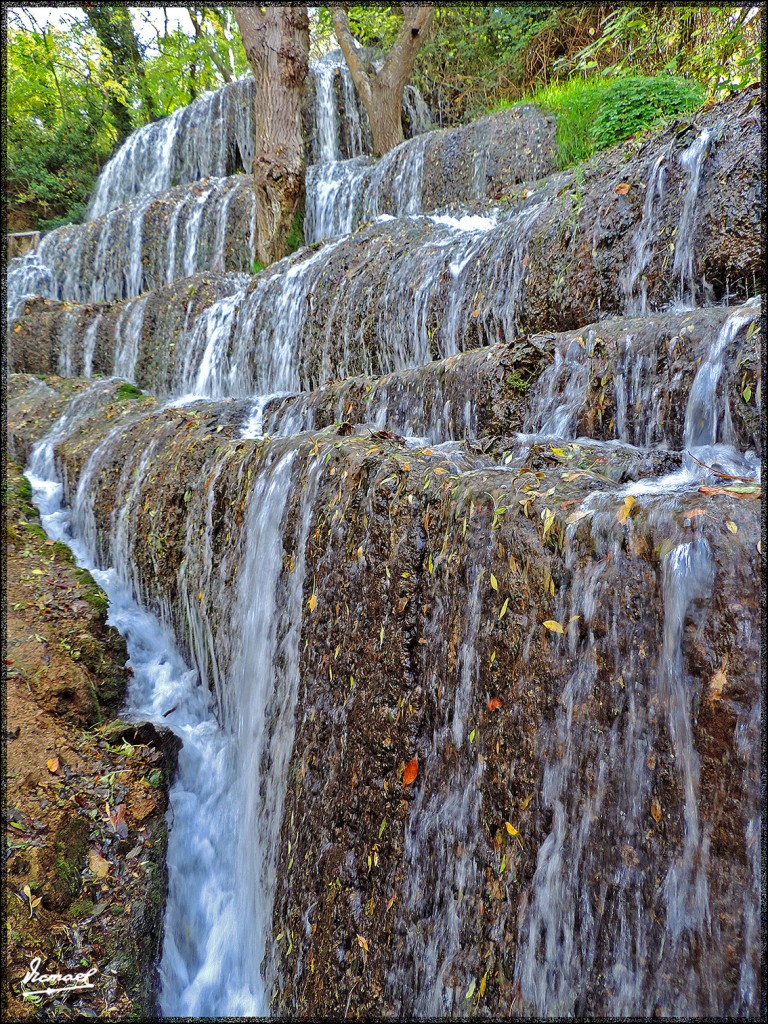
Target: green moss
{"type": "Point", "coordinates": [92, 592]}
{"type": "Point", "coordinates": [80, 908]}
{"type": "Point", "coordinates": [129, 391]}
{"type": "Point", "coordinates": [35, 529]}
{"type": "Point", "coordinates": [63, 553]}
{"type": "Point", "coordinates": [24, 490]}
{"type": "Point", "coordinates": [296, 237]}
{"type": "Point", "coordinates": [516, 382]}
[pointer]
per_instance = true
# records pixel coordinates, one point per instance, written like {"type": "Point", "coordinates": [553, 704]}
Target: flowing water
{"type": "Point", "coordinates": [608, 922]}
{"type": "Point", "coordinates": [195, 152]}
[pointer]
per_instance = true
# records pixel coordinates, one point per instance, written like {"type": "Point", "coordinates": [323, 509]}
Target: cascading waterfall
{"type": "Point", "coordinates": [158, 156]}
{"type": "Point", "coordinates": [128, 226]}
{"type": "Point", "coordinates": [345, 193]}
{"type": "Point", "coordinates": [142, 245]}
{"type": "Point", "coordinates": [127, 334]}
{"type": "Point", "coordinates": [610, 919]}
{"type": "Point", "coordinates": [644, 237]}
{"type": "Point", "coordinates": [444, 885]}
{"type": "Point", "coordinates": [200, 848]}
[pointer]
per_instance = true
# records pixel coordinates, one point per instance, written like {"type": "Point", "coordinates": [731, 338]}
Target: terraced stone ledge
{"type": "Point", "coordinates": [399, 537]}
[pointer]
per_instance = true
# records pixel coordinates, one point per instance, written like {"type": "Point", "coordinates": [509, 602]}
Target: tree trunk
{"type": "Point", "coordinates": [385, 114]}
{"type": "Point", "coordinates": [276, 41]}
{"type": "Point", "coordinates": [382, 95]}
{"type": "Point", "coordinates": [113, 25]}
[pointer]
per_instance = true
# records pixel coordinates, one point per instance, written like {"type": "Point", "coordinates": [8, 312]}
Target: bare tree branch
{"type": "Point", "coordinates": [351, 56]}
{"type": "Point", "coordinates": [382, 94]}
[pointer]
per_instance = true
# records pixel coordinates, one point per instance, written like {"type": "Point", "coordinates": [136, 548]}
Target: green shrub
{"type": "Point", "coordinates": [598, 112]}
{"type": "Point", "coordinates": [631, 104]}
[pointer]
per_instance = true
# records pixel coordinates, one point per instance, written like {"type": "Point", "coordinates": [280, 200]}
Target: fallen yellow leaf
{"type": "Point", "coordinates": [623, 514]}
{"type": "Point", "coordinates": [718, 681]}
{"type": "Point", "coordinates": [553, 627]}
{"type": "Point", "coordinates": [98, 865]}
{"type": "Point", "coordinates": [312, 602]}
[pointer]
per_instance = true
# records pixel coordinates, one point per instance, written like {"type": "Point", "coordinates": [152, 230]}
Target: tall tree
{"type": "Point", "coordinates": [276, 41]}
{"type": "Point", "coordinates": [382, 93]}
{"type": "Point", "coordinates": [113, 25]}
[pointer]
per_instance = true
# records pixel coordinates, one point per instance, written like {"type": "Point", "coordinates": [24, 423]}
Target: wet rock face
{"type": "Point", "coordinates": [559, 255]}
{"type": "Point", "coordinates": [59, 337]}
{"type": "Point", "coordinates": [487, 157]}
{"type": "Point", "coordinates": [537, 654]}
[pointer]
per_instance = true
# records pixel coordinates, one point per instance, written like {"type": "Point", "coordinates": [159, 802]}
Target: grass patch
{"type": "Point", "coordinates": [595, 113]}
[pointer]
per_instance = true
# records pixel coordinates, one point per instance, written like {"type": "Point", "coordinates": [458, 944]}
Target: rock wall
{"type": "Point", "coordinates": [529, 650]}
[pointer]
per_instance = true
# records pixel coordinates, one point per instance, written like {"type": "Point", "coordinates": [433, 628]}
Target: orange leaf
{"type": "Point", "coordinates": [709, 491]}
{"type": "Point", "coordinates": [53, 764]}
{"type": "Point", "coordinates": [656, 811]}
{"type": "Point", "coordinates": [718, 681]}
{"type": "Point", "coordinates": [411, 771]}
{"type": "Point", "coordinates": [623, 188]}
{"type": "Point", "coordinates": [494, 704]}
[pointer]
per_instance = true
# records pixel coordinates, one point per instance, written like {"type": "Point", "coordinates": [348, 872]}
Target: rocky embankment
{"type": "Point", "coordinates": [86, 793]}
{"type": "Point", "coordinates": [451, 597]}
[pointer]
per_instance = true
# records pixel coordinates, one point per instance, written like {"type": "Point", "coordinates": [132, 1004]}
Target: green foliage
{"type": "Point", "coordinates": [70, 99]}
{"type": "Point", "coordinates": [373, 25]}
{"type": "Point", "coordinates": [479, 56]}
{"type": "Point", "coordinates": [59, 125]}
{"type": "Point", "coordinates": [631, 104]}
{"type": "Point", "coordinates": [600, 112]}
{"type": "Point", "coordinates": [185, 66]}
{"type": "Point", "coordinates": [718, 46]}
